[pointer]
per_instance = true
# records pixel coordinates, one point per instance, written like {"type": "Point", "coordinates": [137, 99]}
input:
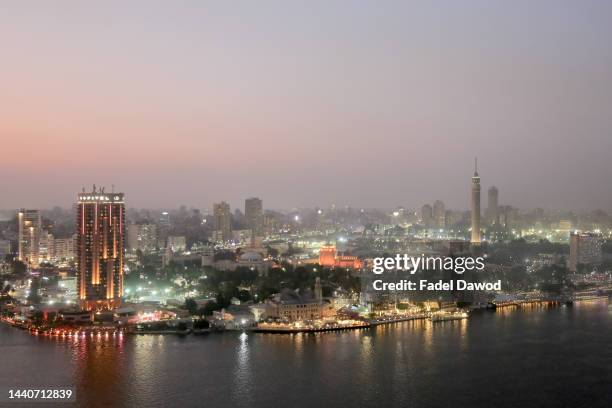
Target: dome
{"type": "Point", "coordinates": [251, 256]}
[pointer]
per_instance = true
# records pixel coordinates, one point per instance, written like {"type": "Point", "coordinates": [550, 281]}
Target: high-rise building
{"type": "Point", "coordinates": [427, 215]}
{"type": "Point", "coordinates": [253, 211]}
{"type": "Point", "coordinates": [5, 247]}
{"type": "Point", "coordinates": [439, 214]}
{"type": "Point", "coordinates": [475, 206]}
{"type": "Point", "coordinates": [223, 220]}
{"type": "Point", "coordinates": [142, 237]}
{"type": "Point", "coordinates": [29, 236]}
{"type": "Point", "coordinates": [492, 206]}
{"type": "Point", "coordinates": [164, 219]}
{"type": "Point", "coordinates": [100, 249]}
{"type": "Point", "coordinates": [585, 249]}
{"type": "Point", "coordinates": [46, 245]}
{"type": "Point", "coordinates": [176, 243]}
{"type": "Point", "coordinates": [64, 249]}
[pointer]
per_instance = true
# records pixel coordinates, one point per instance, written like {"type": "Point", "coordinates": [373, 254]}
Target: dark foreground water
{"type": "Point", "coordinates": [535, 357]}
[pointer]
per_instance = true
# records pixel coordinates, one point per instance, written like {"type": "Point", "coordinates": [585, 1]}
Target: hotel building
{"type": "Point", "coordinates": [100, 249]}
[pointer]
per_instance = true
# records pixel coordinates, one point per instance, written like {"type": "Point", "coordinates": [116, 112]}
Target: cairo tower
{"type": "Point", "coordinates": [475, 206]}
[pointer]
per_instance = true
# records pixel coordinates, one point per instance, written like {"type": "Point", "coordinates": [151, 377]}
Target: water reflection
{"type": "Point", "coordinates": [242, 375]}
{"type": "Point", "coordinates": [403, 364]}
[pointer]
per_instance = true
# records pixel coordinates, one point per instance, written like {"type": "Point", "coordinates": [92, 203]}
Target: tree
{"type": "Point", "coordinates": [191, 306]}
{"type": "Point", "coordinates": [201, 324]}
{"type": "Point", "coordinates": [244, 296]}
{"type": "Point", "coordinates": [208, 308]}
{"type": "Point", "coordinates": [38, 317]}
{"type": "Point", "coordinates": [18, 268]}
{"type": "Point", "coordinates": [33, 297]}
{"type": "Point", "coordinates": [273, 252]}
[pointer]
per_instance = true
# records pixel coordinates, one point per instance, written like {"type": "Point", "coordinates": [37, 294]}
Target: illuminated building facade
{"type": "Point", "coordinates": [328, 256]}
{"type": "Point", "coordinates": [475, 206]}
{"type": "Point", "coordinates": [100, 249]}
{"type": "Point", "coordinates": [29, 236]}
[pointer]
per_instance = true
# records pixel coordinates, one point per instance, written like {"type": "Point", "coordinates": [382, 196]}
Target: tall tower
{"type": "Point", "coordinates": [100, 249]}
{"type": "Point", "coordinates": [475, 205]}
{"type": "Point", "coordinates": [223, 218]}
{"type": "Point", "coordinates": [318, 290]}
{"type": "Point", "coordinates": [29, 236]}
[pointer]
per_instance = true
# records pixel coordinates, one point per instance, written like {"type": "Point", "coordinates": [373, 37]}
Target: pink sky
{"type": "Point", "coordinates": [343, 102]}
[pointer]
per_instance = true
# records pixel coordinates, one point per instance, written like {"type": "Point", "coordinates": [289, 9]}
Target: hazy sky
{"type": "Point", "coordinates": [373, 103]}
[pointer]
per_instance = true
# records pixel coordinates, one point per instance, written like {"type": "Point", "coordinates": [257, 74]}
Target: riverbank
{"type": "Point", "coordinates": [275, 328]}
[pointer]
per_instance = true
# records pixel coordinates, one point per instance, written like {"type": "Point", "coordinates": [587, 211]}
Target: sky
{"type": "Point", "coordinates": [361, 103]}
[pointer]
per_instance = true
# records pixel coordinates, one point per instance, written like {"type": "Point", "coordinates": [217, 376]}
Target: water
{"type": "Point", "coordinates": [533, 357]}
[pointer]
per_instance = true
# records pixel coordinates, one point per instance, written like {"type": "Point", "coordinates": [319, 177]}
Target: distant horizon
{"type": "Point", "coordinates": [207, 210]}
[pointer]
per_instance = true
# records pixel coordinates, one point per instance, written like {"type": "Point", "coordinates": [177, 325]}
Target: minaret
{"type": "Point", "coordinates": [475, 205]}
{"type": "Point", "coordinates": [318, 291]}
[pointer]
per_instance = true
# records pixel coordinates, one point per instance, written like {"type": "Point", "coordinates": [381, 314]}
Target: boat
{"type": "Point", "coordinates": [447, 316]}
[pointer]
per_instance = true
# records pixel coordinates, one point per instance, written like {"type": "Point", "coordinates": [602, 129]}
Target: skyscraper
{"type": "Point", "coordinates": [439, 214]}
{"type": "Point", "coordinates": [253, 211]}
{"type": "Point", "coordinates": [29, 236]}
{"type": "Point", "coordinates": [492, 204]}
{"type": "Point", "coordinates": [141, 237]}
{"type": "Point", "coordinates": [475, 205]}
{"type": "Point", "coordinates": [222, 214]}
{"type": "Point", "coordinates": [427, 215]}
{"type": "Point", "coordinates": [100, 249]}
{"type": "Point", "coordinates": [585, 249]}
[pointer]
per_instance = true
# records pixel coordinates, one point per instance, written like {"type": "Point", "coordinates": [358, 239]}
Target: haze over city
{"type": "Point", "coordinates": [346, 103]}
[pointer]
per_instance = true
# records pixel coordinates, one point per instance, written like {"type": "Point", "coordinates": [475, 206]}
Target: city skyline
{"type": "Point", "coordinates": [314, 204]}
{"type": "Point", "coordinates": [307, 105]}
{"type": "Point", "coordinates": [238, 204]}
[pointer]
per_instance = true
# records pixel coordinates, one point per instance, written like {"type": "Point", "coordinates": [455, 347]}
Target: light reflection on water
{"type": "Point", "coordinates": [533, 356]}
{"type": "Point", "coordinates": [242, 375]}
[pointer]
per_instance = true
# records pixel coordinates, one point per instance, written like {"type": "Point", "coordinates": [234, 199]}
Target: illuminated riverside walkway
{"type": "Point", "coordinates": [302, 327]}
{"type": "Point", "coordinates": [310, 328]}
{"type": "Point", "coordinates": [528, 302]}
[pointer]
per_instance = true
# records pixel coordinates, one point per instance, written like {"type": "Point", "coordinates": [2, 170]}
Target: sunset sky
{"type": "Point", "coordinates": [370, 104]}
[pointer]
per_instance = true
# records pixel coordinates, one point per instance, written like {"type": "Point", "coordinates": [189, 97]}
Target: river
{"type": "Point", "coordinates": [523, 357]}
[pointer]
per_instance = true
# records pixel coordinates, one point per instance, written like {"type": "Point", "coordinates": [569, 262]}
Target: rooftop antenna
{"type": "Point", "coordinates": [94, 188]}
{"type": "Point", "coordinates": [475, 166]}
{"type": "Point", "coordinates": [112, 188]}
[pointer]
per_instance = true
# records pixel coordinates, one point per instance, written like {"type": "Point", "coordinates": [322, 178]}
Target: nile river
{"type": "Point", "coordinates": [531, 357]}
